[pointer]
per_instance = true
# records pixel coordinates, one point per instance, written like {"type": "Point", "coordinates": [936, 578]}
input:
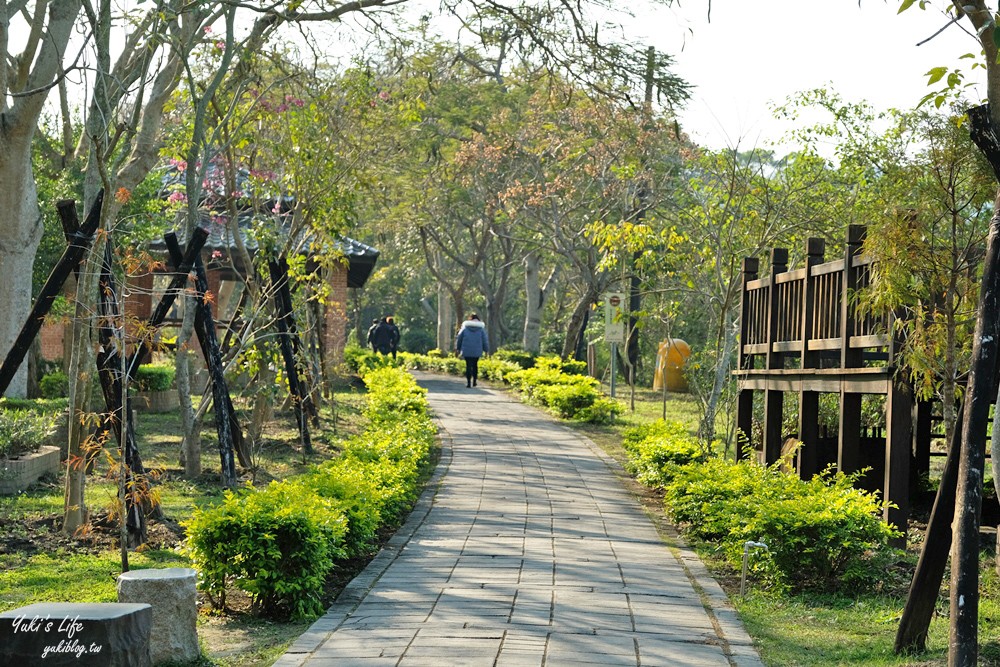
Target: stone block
{"type": "Point", "coordinates": [19, 473]}
{"type": "Point", "coordinates": [173, 596]}
{"type": "Point", "coordinates": [79, 634]}
{"type": "Point", "coordinates": [156, 401]}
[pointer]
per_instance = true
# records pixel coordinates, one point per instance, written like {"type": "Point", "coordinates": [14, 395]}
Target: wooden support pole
{"type": "Point", "coordinates": [898, 439]}
{"type": "Point", "coordinates": [809, 434]}
{"type": "Point", "coordinates": [849, 437]}
{"type": "Point", "coordinates": [82, 237]}
{"type": "Point", "coordinates": [305, 383]}
{"type": "Point", "coordinates": [744, 424]}
{"type": "Point", "coordinates": [744, 405]}
{"type": "Point", "coordinates": [291, 368]}
{"type": "Point", "coordinates": [226, 425]}
{"type": "Point", "coordinates": [850, 357]}
{"type": "Point", "coordinates": [116, 402]}
{"type": "Point", "coordinates": [773, 399]}
{"type": "Point", "coordinates": [177, 283]}
{"type": "Point", "coordinates": [911, 636]}
{"type": "Point", "coordinates": [922, 424]}
{"type": "Point", "coordinates": [809, 400]}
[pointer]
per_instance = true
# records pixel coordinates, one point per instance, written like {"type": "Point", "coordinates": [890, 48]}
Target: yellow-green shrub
{"type": "Point", "coordinates": [656, 449]}
{"type": "Point", "coordinates": [821, 533]}
{"type": "Point", "coordinates": [277, 544]}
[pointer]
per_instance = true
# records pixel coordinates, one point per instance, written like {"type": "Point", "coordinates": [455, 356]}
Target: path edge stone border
{"type": "Point", "coordinates": [355, 591]}
{"type": "Point", "coordinates": [741, 649]}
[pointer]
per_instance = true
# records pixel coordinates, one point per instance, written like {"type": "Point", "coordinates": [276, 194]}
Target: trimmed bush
{"type": "Point", "coordinates": [54, 385]}
{"type": "Point", "coordinates": [657, 449]}
{"type": "Point", "coordinates": [154, 377]}
{"type": "Point", "coordinates": [277, 544]}
{"type": "Point", "coordinates": [280, 543]}
{"type": "Point", "coordinates": [567, 399]}
{"type": "Point", "coordinates": [524, 360]}
{"type": "Point", "coordinates": [392, 393]}
{"type": "Point", "coordinates": [820, 533]}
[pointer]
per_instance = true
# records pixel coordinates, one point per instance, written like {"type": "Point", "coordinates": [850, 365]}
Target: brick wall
{"type": "Point", "coordinates": [335, 320]}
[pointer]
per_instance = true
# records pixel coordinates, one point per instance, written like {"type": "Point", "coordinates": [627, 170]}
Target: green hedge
{"type": "Point", "coordinates": [277, 544]}
{"type": "Point", "coordinates": [821, 534]}
{"type": "Point", "coordinates": [281, 542]}
{"type": "Point", "coordinates": [553, 383]}
{"type": "Point", "coordinates": [54, 385]}
{"type": "Point", "coordinates": [656, 450]}
{"type": "Point", "coordinates": [154, 377]}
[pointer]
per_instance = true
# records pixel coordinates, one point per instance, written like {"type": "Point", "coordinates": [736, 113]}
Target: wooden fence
{"type": "Point", "coordinates": [801, 332]}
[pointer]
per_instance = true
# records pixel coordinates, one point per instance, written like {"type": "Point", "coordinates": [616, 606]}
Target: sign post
{"type": "Point", "coordinates": [614, 329]}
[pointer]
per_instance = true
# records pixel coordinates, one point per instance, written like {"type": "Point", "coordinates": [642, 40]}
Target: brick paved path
{"type": "Point", "coordinates": [525, 550]}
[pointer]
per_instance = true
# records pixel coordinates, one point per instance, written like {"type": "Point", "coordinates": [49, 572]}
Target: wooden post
{"type": "Point", "coordinates": [116, 402]}
{"type": "Point", "coordinates": [305, 383]}
{"type": "Point", "coordinates": [773, 398]}
{"type": "Point", "coordinates": [809, 400]}
{"type": "Point", "coordinates": [898, 439]}
{"type": "Point", "coordinates": [849, 436]}
{"type": "Point", "coordinates": [191, 252]}
{"type": "Point", "coordinates": [911, 636]}
{"type": "Point", "coordinates": [225, 416]}
{"type": "Point", "coordinates": [82, 237]}
{"type": "Point", "coordinates": [744, 405]}
{"type": "Point", "coordinates": [291, 368]}
{"type": "Point", "coordinates": [922, 424]}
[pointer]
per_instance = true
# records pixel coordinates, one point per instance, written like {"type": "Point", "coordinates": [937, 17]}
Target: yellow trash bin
{"type": "Point", "coordinates": [670, 360]}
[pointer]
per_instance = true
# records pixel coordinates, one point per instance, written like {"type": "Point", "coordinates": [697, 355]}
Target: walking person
{"type": "Point", "coordinates": [384, 339]}
{"type": "Point", "coordinates": [371, 334]}
{"type": "Point", "coordinates": [472, 343]}
{"type": "Point", "coordinates": [393, 336]}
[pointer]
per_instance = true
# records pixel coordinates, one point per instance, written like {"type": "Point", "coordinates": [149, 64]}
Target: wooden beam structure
{"type": "Point", "coordinates": [801, 333]}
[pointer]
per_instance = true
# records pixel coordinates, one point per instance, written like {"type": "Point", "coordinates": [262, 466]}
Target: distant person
{"type": "Point", "coordinates": [394, 335]}
{"type": "Point", "coordinates": [371, 334]}
{"type": "Point", "coordinates": [385, 337]}
{"type": "Point", "coordinates": [472, 343]}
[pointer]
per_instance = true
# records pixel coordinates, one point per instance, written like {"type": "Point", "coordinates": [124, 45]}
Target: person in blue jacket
{"type": "Point", "coordinates": [472, 343]}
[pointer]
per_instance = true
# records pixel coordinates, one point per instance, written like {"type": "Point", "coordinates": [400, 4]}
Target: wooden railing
{"type": "Point", "coordinates": [808, 312]}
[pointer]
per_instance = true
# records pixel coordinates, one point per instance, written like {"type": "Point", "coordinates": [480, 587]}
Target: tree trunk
{"type": "Point", "coordinates": [20, 234]}
{"type": "Point", "coordinates": [577, 322]}
{"type": "Point", "coordinates": [445, 320]}
{"type": "Point", "coordinates": [533, 302]}
{"type": "Point", "coordinates": [81, 371]}
{"type": "Point", "coordinates": [707, 427]}
{"type": "Point", "coordinates": [190, 426]}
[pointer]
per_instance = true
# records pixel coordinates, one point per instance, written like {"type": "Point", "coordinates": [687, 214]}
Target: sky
{"type": "Point", "coordinates": [757, 52]}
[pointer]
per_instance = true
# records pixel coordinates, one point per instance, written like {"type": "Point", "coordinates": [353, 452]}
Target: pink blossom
{"type": "Point", "coordinates": [219, 44]}
{"type": "Point", "coordinates": [277, 208]}
{"type": "Point", "coordinates": [177, 197]}
{"type": "Point", "coordinates": [216, 254]}
{"type": "Point", "coordinates": [180, 165]}
{"type": "Point", "coordinates": [282, 108]}
{"type": "Point", "coordinates": [384, 96]}
{"type": "Point", "coordinates": [207, 29]}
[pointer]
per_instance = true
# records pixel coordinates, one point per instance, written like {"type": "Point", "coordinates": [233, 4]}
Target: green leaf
{"type": "Point", "coordinates": [996, 37]}
{"type": "Point", "coordinates": [936, 74]}
{"type": "Point", "coordinates": [906, 4]}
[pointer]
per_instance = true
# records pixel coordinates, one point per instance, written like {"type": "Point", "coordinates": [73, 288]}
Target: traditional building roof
{"type": "Point", "coordinates": [220, 251]}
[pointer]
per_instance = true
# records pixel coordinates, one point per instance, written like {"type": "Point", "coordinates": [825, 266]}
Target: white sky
{"type": "Point", "coordinates": [755, 52]}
